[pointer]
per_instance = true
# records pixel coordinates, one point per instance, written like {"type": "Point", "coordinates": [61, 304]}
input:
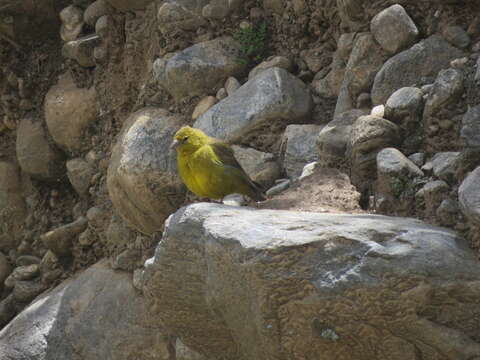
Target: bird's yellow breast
{"type": "Point", "coordinates": [199, 170]}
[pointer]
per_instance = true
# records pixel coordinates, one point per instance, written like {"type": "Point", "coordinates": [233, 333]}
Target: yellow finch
{"type": "Point", "coordinates": [208, 167]}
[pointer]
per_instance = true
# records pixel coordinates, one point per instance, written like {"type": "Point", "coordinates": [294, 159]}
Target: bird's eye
{"type": "Point", "coordinates": [185, 139]}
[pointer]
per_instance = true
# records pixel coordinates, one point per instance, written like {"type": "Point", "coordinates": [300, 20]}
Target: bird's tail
{"type": "Point", "coordinates": [257, 193]}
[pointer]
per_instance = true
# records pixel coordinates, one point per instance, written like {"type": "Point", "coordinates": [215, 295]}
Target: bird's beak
{"type": "Point", "coordinates": [174, 144]}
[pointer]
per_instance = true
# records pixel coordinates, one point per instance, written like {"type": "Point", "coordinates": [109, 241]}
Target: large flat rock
{"type": "Point", "coordinates": [240, 283]}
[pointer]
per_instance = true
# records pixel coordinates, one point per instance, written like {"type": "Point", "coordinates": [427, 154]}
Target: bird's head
{"type": "Point", "coordinates": [188, 139]}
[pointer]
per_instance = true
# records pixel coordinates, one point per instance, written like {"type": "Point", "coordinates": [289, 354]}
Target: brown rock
{"type": "Point", "coordinates": [36, 156]}
{"type": "Point", "coordinates": [69, 111]}
{"type": "Point", "coordinates": [204, 104]}
{"type": "Point", "coordinates": [59, 240]}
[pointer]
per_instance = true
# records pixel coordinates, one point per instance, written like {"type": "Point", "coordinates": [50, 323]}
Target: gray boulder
{"type": "Point", "coordinates": [369, 135]}
{"type": "Point", "coordinates": [396, 183]}
{"type": "Point", "coordinates": [299, 142]}
{"type": "Point", "coordinates": [36, 156]}
{"type": "Point", "coordinates": [456, 36]}
{"type": "Point", "coordinates": [413, 67]}
{"type": "Point", "coordinates": [394, 29]}
{"type": "Point", "coordinates": [447, 88]}
{"type": "Point", "coordinates": [470, 131]}
{"type": "Point", "coordinates": [433, 193]}
{"type": "Point", "coordinates": [418, 159]}
{"type": "Point", "coordinates": [97, 315]}
{"type": "Point", "coordinates": [262, 167]}
{"type": "Point", "coordinates": [404, 107]}
{"type": "Point", "coordinates": [142, 178]}
{"type": "Point", "coordinates": [365, 61]}
{"type": "Point", "coordinates": [445, 166]}
{"type": "Point", "coordinates": [469, 196]}
{"type": "Point", "coordinates": [270, 284]}
{"type": "Point", "coordinates": [448, 213]}
{"type": "Point", "coordinates": [333, 139]}
{"type": "Point", "coordinates": [200, 69]}
{"type": "Point", "coordinates": [273, 97]}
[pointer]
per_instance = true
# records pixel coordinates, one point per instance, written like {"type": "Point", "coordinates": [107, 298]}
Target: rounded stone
{"type": "Point", "coordinates": [69, 111]}
{"type": "Point", "coordinates": [142, 178]}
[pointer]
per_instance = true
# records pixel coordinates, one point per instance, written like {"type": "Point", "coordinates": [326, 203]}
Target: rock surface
{"type": "Point", "coordinates": [447, 89]}
{"type": "Point", "coordinates": [369, 135]}
{"type": "Point", "coordinates": [433, 193]}
{"type": "Point", "coordinates": [36, 156]}
{"type": "Point", "coordinates": [470, 131]}
{"type": "Point", "coordinates": [58, 325]}
{"type": "Point", "coordinates": [300, 147]}
{"type": "Point", "coordinates": [333, 139]}
{"type": "Point", "coordinates": [277, 61]}
{"type": "Point", "coordinates": [262, 167]}
{"type": "Point", "coordinates": [304, 277]}
{"type": "Point", "coordinates": [69, 111]}
{"type": "Point", "coordinates": [12, 204]}
{"type": "Point", "coordinates": [80, 174]}
{"type": "Point", "coordinates": [404, 107]}
{"type": "Point", "coordinates": [456, 36]}
{"type": "Point", "coordinates": [59, 240]}
{"type": "Point", "coordinates": [142, 179]}
{"type": "Point", "coordinates": [365, 61]}
{"type": "Point", "coordinates": [273, 97]}
{"type": "Point", "coordinates": [445, 166]}
{"type": "Point", "coordinates": [203, 105]}
{"type": "Point", "coordinates": [469, 196]}
{"type": "Point", "coordinates": [396, 182]}
{"type": "Point", "coordinates": [394, 29]}
{"type": "Point", "coordinates": [407, 68]}
{"type": "Point", "coordinates": [200, 69]}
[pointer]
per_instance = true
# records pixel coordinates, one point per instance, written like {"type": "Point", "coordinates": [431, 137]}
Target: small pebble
{"type": "Point", "coordinates": [378, 111]}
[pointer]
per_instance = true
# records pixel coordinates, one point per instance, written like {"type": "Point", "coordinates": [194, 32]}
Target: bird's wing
{"type": "Point", "coordinates": [225, 154]}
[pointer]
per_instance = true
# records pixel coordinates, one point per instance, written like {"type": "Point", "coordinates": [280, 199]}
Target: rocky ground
{"type": "Point", "coordinates": [344, 110]}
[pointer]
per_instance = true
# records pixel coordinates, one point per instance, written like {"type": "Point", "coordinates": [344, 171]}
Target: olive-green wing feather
{"type": "Point", "coordinates": [225, 153]}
